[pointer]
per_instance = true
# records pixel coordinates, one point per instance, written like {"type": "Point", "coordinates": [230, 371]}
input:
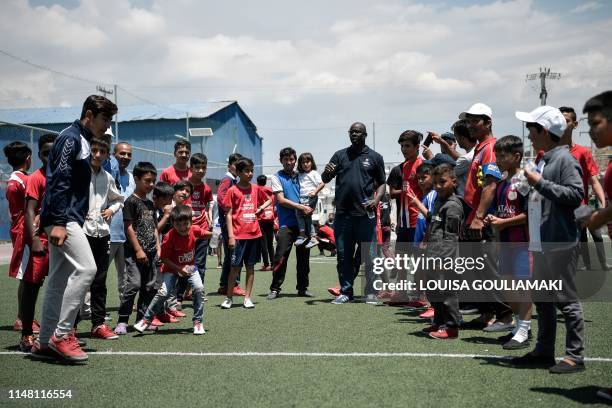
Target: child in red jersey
{"type": "Point", "coordinates": [245, 201]}
{"type": "Point", "coordinates": [19, 156]}
{"type": "Point", "coordinates": [178, 256]}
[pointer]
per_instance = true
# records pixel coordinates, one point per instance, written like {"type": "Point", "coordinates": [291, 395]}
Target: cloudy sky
{"type": "Point", "coordinates": [304, 71]}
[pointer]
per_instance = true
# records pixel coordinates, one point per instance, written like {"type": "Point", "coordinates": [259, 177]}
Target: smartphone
{"type": "Point", "coordinates": [428, 140]}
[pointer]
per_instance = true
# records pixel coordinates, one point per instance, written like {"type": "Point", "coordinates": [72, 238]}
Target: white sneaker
{"type": "Point", "coordinates": [248, 303]}
{"type": "Point", "coordinates": [227, 303]}
{"type": "Point", "coordinates": [142, 325]}
{"type": "Point", "coordinates": [198, 328]}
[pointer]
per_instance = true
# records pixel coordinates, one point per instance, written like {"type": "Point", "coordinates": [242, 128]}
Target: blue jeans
{"type": "Point", "coordinates": [351, 231]}
{"type": "Point", "coordinates": [169, 282]}
{"type": "Point", "coordinates": [201, 251]}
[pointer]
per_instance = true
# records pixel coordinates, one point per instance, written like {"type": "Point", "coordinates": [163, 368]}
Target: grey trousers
{"type": "Point", "coordinates": [116, 253]}
{"type": "Point", "coordinates": [72, 268]}
{"type": "Point", "coordinates": [559, 265]}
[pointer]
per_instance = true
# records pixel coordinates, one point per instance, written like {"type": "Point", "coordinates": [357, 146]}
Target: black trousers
{"type": "Point", "coordinates": [141, 280]}
{"type": "Point", "coordinates": [100, 247]}
{"type": "Point", "coordinates": [599, 246]}
{"type": "Point", "coordinates": [285, 238]}
{"type": "Point", "coordinates": [267, 244]}
{"type": "Point", "coordinates": [28, 306]}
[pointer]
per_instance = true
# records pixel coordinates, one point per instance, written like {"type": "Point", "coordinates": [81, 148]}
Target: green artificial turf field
{"type": "Point", "coordinates": [298, 325]}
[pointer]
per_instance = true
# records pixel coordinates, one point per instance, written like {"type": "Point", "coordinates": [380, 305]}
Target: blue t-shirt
{"type": "Point", "coordinates": [421, 226]}
{"type": "Point", "coordinates": [291, 190]}
{"type": "Point", "coordinates": [126, 187]}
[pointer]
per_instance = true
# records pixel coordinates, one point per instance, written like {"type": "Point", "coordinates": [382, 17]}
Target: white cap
{"type": "Point", "coordinates": [109, 131]}
{"type": "Point", "coordinates": [550, 118]}
{"type": "Point", "coordinates": [478, 109]}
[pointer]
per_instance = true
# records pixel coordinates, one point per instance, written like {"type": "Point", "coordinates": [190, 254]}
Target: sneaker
{"type": "Point", "coordinates": [121, 329]}
{"type": "Point", "coordinates": [35, 327]}
{"type": "Point", "coordinates": [198, 328]}
{"type": "Point", "coordinates": [300, 241]}
{"type": "Point", "coordinates": [534, 360]}
{"type": "Point", "coordinates": [605, 393]}
{"type": "Point", "coordinates": [26, 343]}
{"type": "Point", "coordinates": [433, 328]}
{"type": "Point", "coordinates": [248, 303]}
{"type": "Point", "coordinates": [68, 348]}
{"type": "Point", "coordinates": [176, 313]}
{"type": "Point", "coordinates": [312, 243]}
{"type": "Point", "coordinates": [335, 291]}
{"type": "Point", "coordinates": [305, 293]}
{"type": "Point", "coordinates": [168, 318]}
{"type": "Point", "coordinates": [156, 322]}
{"type": "Point", "coordinates": [427, 314]}
{"type": "Point", "coordinates": [272, 295]}
{"type": "Point", "coordinates": [40, 352]}
{"type": "Point", "coordinates": [103, 332]}
{"type": "Point", "coordinates": [398, 299]}
{"type": "Point", "coordinates": [142, 325]}
{"type": "Point", "coordinates": [18, 325]}
{"type": "Point", "coordinates": [81, 342]}
{"type": "Point", "coordinates": [222, 290]}
{"type": "Point", "coordinates": [507, 337]}
{"type": "Point", "coordinates": [566, 366]}
{"type": "Point", "coordinates": [444, 333]}
{"type": "Point", "coordinates": [179, 305]}
{"type": "Point", "coordinates": [498, 326]}
{"type": "Point", "coordinates": [371, 299]}
{"type": "Point", "coordinates": [340, 300]}
{"type": "Point", "coordinates": [238, 291]}
{"type": "Point", "coordinates": [417, 304]}
{"type": "Point", "coordinates": [515, 344]}
{"type": "Point", "coordinates": [227, 303]}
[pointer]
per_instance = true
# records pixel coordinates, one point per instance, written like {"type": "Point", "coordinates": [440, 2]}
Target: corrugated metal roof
{"type": "Point", "coordinates": [128, 113]}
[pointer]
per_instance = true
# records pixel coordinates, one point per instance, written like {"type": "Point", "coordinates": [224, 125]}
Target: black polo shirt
{"type": "Point", "coordinates": [358, 174]}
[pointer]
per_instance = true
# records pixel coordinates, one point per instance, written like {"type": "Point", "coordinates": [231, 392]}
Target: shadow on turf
{"type": "Point", "coordinates": [585, 395]}
{"type": "Point", "coordinates": [481, 340]}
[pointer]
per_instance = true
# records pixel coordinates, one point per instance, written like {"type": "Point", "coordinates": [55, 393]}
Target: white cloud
{"type": "Point", "coordinates": [588, 6]}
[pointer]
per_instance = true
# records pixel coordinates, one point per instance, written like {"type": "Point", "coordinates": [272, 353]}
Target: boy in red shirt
{"type": "Point", "coordinates": [38, 262]}
{"type": "Point", "coordinates": [245, 201]}
{"type": "Point", "coordinates": [177, 256]}
{"type": "Point", "coordinates": [19, 156]}
{"type": "Point", "coordinates": [180, 169]}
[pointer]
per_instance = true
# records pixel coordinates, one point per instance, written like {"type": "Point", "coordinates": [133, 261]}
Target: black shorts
{"type": "Point", "coordinates": [247, 252]}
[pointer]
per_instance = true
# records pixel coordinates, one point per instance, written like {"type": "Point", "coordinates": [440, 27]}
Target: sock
{"type": "Point", "coordinates": [523, 330]}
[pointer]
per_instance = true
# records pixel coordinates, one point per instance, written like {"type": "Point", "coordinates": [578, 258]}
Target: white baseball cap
{"type": "Point", "coordinates": [548, 117]}
{"type": "Point", "coordinates": [478, 109]}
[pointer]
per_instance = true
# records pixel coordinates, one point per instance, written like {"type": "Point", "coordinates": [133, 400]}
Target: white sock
{"type": "Point", "coordinates": [521, 334]}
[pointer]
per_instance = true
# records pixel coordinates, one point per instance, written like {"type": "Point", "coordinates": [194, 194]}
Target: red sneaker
{"type": "Point", "coordinates": [18, 326]}
{"type": "Point", "coordinates": [40, 352]}
{"type": "Point", "coordinates": [103, 332]}
{"type": "Point", "coordinates": [417, 304]}
{"type": "Point", "coordinates": [35, 327]}
{"type": "Point", "coordinates": [156, 322]}
{"type": "Point", "coordinates": [335, 291]}
{"type": "Point", "coordinates": [431, 329]}
{"type": "Point", "coordinates": [445, 333]}
{"type": "Point", "coordinates": [176, 313]}
{"type": "Point", "coordinates": [26, 343]}
{"type": "Point", "coordinates": [68, 348]}
{"type": "Point", "coordinates": [222, 290]}
{"type": "Point", "coordinates": [238, 291]}
{"type": "Point", "coordinates": [428, 314]}
{"type": "Point", "coordinates": [168, 318]}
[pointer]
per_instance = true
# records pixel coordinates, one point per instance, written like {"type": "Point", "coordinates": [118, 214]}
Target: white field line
{"type": "Point", "coordinates": [296, 354]}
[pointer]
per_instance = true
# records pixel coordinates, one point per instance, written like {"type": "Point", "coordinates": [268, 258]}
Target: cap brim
{"type": "Point", "coordinates": [523, 116]}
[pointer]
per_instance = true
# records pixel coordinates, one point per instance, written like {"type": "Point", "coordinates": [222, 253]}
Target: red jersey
{"type": "Point", "coordinates": [410, 186]}
{"type": "Point", "coordinates": [172, 175]}
{"type": "Point", "coordinates": [36, 187]}
{"type": "Point", "coordinates": [200, 201]}
{"type": "Point", "coordinates": [608, 182]}
{"type": "Point", "coordinates": [15, 195]}
{"type": "Point", "coordinates": [244, 204]}
{"type": "Point", "coordinates": [180, 249]}
{"type": "Point", "coordinates": [268, 214]}
{"type": "Point", "coordinates": [588, 166]}
{"type": "Point", "coordinates": [483, 165]}
{"type": "Point", "coordinates": [325, 231]}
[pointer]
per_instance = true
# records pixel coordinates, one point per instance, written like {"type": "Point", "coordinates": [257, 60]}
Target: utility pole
{"type": "Point", "coordinates": [106, 92]}
{"type": "Point", "coordinates": [374, 136]}
{"type": "Point", "coordinates": [543, 75]}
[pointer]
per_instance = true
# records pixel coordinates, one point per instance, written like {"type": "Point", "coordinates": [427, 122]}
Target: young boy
{"type": "Point", "coordinates": [599, 110]}
{"type": "Point", "coordinates": [180, 169]}
{"type": "Point", "coordinates": [201, 202]}
{"type": "Point", "coordinates": [19, 156]}
{"type": "Point", "coordinates": [444, 225]}
{"type": "Point", "coordinates": [142, 248]}
{"type": "Point", "coordinates": [104, 201]}
{"type": "Point", "coordinates": [244, 202]}
{"type": "Point", "coordinates": [510, 220]}
{"type": "Point", "coordinates": [72, 266]}
{"type": "Point", "coordinates": [177, 255]}
{"type": "Point", "coordinates": [554, 238]}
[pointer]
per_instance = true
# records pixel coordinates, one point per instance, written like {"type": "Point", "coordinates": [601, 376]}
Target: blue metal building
{"type": "Point", "coordinates": [151, 130]}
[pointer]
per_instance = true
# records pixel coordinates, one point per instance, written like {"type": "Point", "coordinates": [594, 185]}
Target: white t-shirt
{"type": "Point", "coordinates": [309, 182]}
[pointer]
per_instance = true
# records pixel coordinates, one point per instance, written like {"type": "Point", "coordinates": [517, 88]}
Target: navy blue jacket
{"type": "Point", "coordinates": [68, 176]}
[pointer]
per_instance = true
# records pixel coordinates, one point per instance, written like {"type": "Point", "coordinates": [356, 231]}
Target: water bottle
{"type": "Point", "coordinates": [519, 181]}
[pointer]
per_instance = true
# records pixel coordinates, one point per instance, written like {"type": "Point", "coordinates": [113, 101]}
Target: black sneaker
{"type": "Point", "coordinates": [305, 293]}
{"type": "Point", "coordinates": [566, 366]}
{"type": "Point", "coordinates": [534, 360]}
{"type": "Point", "coordinates": [515, 345]}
